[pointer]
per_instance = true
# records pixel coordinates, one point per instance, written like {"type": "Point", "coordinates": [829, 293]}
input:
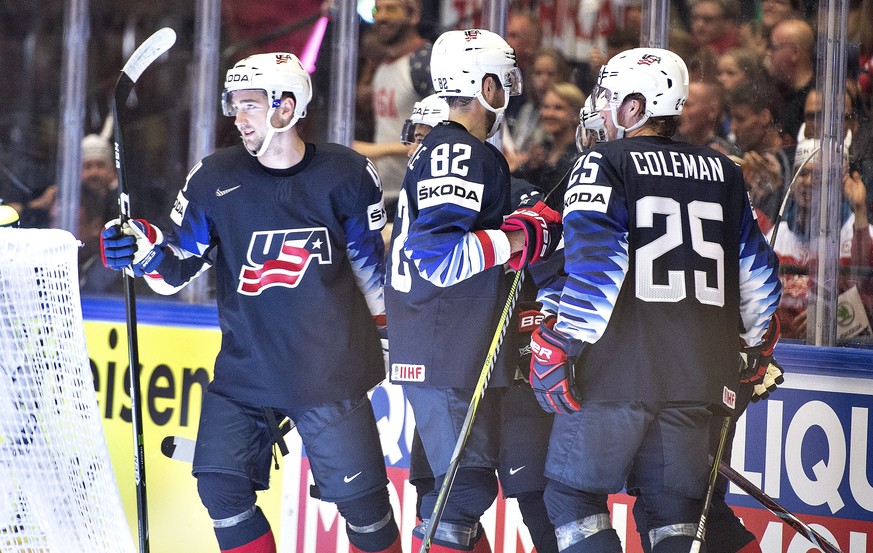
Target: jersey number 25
{"type": "Point", "coordinates": [674, 290]}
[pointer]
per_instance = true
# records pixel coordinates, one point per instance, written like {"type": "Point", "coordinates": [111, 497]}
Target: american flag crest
{"type": "Point", "coordinates": [649, 59]}
{"type": "Point", "coordinates": [281, 258]}
{"type": "Point", "coordinates": [471, 34]}
{"type": "Point", "coordinates": [282, 58]}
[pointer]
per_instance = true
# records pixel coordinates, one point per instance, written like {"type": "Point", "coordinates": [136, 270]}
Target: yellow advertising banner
{"type": "Point", "coordinates": [176, 368]}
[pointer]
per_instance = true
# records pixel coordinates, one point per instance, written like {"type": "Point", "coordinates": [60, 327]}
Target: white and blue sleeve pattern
{"type": "Point", "coordinates": [440, 242]}
{"type": "Point", "coordinates": [596, 251]}
{"type": "Point", "coordinates": [760, 287]}
{"type": "Point", "coordinates": [366, 251]}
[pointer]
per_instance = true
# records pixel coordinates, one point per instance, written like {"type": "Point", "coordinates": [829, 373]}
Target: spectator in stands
{"type": "Point", "coordinates": [399, 79]}
{"type": "Point", "coordinates": [525, 35]}
{"type": "Point", "coordinates": [94, 277]}
{"type": "Point", "coordinates": [738, 67]}
{"type": "Point", "coordinates": [756, 33]}
{"type": "Point", "coordinates": [549, 67]}
{"type": "Point", "coordinates": [99, 177]}
{"type": "Point", "coordinates": [766, 164]}
{"type": "Point", "coordinates": [702, 116]}
{"type": "Point", "coordinates": [793, 246]}
{"type": "Point", "coordinates": [714, 24]}
{"type": "Point", "coordinates": [792, 68]}
{"type": "Point", "coordinates": [549, 161]}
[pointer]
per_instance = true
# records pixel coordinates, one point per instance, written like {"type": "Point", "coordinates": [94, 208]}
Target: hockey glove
{"type": "Point", "coordinates": [135, 244]}
{"type": "Point", "coordinates": [759, 357]}
{"type": "Point", "coordinates": [552, 368]}
{"type": "Point", "coordinates": [771, 381]}
{"type": "Point", "coordinates": [529, 318]}
{"type": "Point", "coordinates": [542, 232]}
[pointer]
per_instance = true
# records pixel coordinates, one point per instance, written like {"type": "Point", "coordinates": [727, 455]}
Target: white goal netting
{"type": "Point", "coordinates": [57, 487]}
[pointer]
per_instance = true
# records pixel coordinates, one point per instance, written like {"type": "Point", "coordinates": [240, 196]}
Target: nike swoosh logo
{"type": "Point", "coordinates": [513, 471]}
{"type": "Point", "coordinates": [348, 479]}
{"type": "Point", "coordinates": [219, 192]}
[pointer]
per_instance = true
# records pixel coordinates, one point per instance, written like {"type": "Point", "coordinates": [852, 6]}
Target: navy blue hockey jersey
{"type": "Point", "coordinates": [446, 281]}
{"type": "Point", "coordinates": [667, 270]}
{"type": "Point", "coordinates": [299, 262]}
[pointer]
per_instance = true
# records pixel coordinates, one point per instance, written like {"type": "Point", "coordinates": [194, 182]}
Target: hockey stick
{"type": "Point", "coordinates": [788, 193]}
{"type": "Point", "coordinates": [148, 52]}
{"type": "Point", "coordinates": [478, 394]}
{"type": "Point", "coordinates": [784, 514]}
{"type": "Point", "coordinates": [710, 488]}
{"type": "Point", "coordinates": [181, 449]}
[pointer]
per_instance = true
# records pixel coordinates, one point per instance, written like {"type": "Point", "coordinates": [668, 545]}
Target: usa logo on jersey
{"type": "Point", "coordinates": [281, 257]}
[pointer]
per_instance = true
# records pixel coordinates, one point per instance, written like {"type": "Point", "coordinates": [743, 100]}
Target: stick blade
{"type": "Point", "coordinates": [178, 448]}
{"type": "Point", "coordinates": [150, 50]}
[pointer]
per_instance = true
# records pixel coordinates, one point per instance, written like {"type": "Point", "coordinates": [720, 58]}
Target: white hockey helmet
{"type": "Point", "coordinates": [590, 122]}
{"type": "Point", "coordinates": [460, 60]}
{"type": "Point", "coordinates": [274, 73]}
{"type": "Point", "coordinates": [659, 75]}
{"type": "Point", "coordinates": [429, 111]}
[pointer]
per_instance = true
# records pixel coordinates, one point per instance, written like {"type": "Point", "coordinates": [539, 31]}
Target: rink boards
{"type": "Point", "coordinates": [807, 446]}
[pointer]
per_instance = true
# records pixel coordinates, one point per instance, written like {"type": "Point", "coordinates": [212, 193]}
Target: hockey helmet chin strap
{"type": "Point", "coordinates": [620, 130]}
{"type": "Point", "coordinates": [271, 130]}
{"type": "Point", "coordinates": [499, 112]}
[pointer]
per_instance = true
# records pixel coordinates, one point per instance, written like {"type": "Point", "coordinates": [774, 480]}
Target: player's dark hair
{"type": "Point", "coordinates": [665, 126]}
{"type": "Point", "coordinates": [458, 101]}
{"type": "Point", "coordinates": [461, 101]}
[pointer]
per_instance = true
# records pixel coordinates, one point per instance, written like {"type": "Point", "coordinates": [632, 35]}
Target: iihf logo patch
{"type": "Point", "coordinates": [281, 257]}
{"type": "Point", "coordinates": [729, 397]}
{"type": "Point", "coordinates": [407, 372]}
{"type": "Point", "coordinates": [649, 59]}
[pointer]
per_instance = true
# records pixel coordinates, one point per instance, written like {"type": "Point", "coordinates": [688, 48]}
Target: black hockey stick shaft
{"type": "Point", "coordinates": [150, 50]}
{"type": "Point", "coordinates": [784, 514]}
{"type": "Point", "coordinates": [710, 488]}
{"type": "Point", "coordinates": [478, 393]}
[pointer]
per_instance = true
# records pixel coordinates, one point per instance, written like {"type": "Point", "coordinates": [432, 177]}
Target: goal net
{"type": "Point", "coordinates": [57, 487]}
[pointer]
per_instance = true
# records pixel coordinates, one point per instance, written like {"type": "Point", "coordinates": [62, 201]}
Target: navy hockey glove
{"type": "Point", "coordinates": [759, 357]}
{"type": "Point", "coordinates": [136, 244]}
{"type": "Point", "coordinates": [552, 368]}
{"type": "Point", "coordinates": [542, 232]}
{"type": "Point", "coordinates": [529, 318]}
{"type": "Point", "coordinates": [771, 381]}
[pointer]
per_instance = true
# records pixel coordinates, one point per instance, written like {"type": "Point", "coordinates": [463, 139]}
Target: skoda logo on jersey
{"type": "Point", "coordinates": [281, 257]}
{"type": "Point", "coordinates": [587, 197]}
{"type": "Point", "coordinates": [450, 190]}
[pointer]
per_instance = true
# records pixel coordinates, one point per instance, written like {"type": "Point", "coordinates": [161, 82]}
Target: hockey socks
{"type": "Point", "coordinates": [252, 535]}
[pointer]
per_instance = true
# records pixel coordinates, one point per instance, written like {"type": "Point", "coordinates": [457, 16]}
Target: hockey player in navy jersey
{"type": "Point", "coordinates": [293, 231]}
{"type": "Point", "coordinates": [447, 283]}
{"type": "Point", "coordinates": [663, 259]}
{"type": "Point", "coordinates": [525, 427]}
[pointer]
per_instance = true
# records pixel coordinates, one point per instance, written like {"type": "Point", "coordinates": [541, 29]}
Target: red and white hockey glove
{"type": "Point", "coordinates": [135, 244]}
{"type": "Point", "coordinates": [542, 232]}
{"type": "Point", "coordinates": [552, 370]}
{"type": "Point", "coordinates": [758, 358]}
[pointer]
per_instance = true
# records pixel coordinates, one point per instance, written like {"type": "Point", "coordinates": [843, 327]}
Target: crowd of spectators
{"type": "Point", "coordinates": [753, 95]}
